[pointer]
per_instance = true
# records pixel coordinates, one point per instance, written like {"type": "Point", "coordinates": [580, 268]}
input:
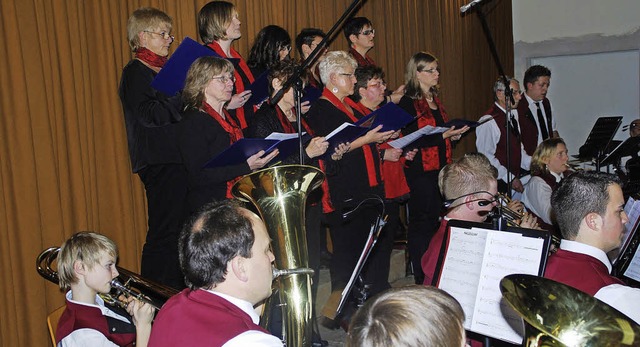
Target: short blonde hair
{"type": "Point", "coordinates": [332, 61]}
{"type": "Point", "coordinates": [199, 75]}
{"type": "Point", "coordinates": [406, 317]}
{"type": "Point", "coordinates": [471, 173]}
{"type": "Point", "coordinates": [86, 247]}
{"type": "Point", "coordinates": [214, 19]}
{"type": "Point", "coordinates": [146, 18]}
{"type": "Point", "coordinates": [544, 151]}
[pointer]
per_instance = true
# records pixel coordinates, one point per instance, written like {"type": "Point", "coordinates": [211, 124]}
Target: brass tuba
{"type": "Point", "coordinates": [556, 314]}
{"type": "Point", "coordinates": [279, 193]}
{"type": "Point", "coordinates": [129, 284]}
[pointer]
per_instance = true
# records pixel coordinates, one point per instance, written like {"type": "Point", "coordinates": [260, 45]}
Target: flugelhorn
{"type": "Point", "coordinates": [134, 285]}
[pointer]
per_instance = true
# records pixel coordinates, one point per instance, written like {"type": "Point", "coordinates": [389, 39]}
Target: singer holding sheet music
{"type": "Point", "coordinates": [369, 93]}
{"type": "Point", "coordinates": [151, 117]}
{"type": "Point", "coordinates": [353, 178]}
{"type": "Point", "coordinates": [421, 101]}
{"type": "Point", "coordinates": [219, 26]}
{"type": "Point", "coordinates": [207, 129]}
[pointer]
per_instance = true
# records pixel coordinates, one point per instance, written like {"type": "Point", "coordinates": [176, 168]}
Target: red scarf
{"type": "Point", "coordinates": [391, 172]}
{"type": "Point", "coordinates": [430, 156]}
{"type": "Point", "coordinates": [235, 134]}
{"type": "Point", "coordinates": [239, 82]}
{"type": "Point", "coordinates": [150, 58]}
{"type": "Point", "coordinates": [362, 61]}
{"type": "Point", "coordinates": [284, 121]}
{"type": "Point", "coordinates": [366, 149]}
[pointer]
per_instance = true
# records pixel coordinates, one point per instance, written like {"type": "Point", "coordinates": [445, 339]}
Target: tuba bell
{"type": "Point", "coordinates": [279, 193]}
{"type": "Point", "coordinates": [127, 283]}
{"type": "Point", "coordinates": [556, 314]}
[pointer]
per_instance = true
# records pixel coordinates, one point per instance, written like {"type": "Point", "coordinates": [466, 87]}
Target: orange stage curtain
{"type": "Point", "coordinates": [63, 155]}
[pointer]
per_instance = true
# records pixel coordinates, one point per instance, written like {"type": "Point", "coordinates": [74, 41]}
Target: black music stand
{"type": "Point", "coordinates": [629, 147]}
{"type": "Point", "coordinates": [599, 139]}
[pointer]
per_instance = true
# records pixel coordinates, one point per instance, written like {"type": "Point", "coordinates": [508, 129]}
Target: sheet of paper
{"type": "Point", "coordinates": [505, 254]}
{"type": "Point", "coordinates": [633, 270]}
{"type": "Point", "coordinates": [283, 136]}
{"type": "Point", "coordinates": [462, 266]}
{"type": "Point", "coordinates": [406, 140]}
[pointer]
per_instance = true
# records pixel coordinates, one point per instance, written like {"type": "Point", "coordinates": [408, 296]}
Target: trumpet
{"type": "Point", "coordinates": [134, 286]}
{"type": "Point", "coordinates": [513, 218]}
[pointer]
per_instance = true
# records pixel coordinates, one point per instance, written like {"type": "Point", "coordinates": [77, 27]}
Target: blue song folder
{"type": "Point", "coordinates": [390, 116]}
{"type": "Point", "coordinates": [259, 89]}
{"type": "Point", "coordinates": [242, 149]}
{"type": "Point", "coordinates": [459, 123]}
{"type": "Point", "coordinates": [170, 79]}
{"type": "Point", "coordinates": [311, 94]}
{"type": "Point", "coordinates": [347, 132]}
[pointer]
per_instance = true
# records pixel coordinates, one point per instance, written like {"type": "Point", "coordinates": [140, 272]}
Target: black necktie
{"type": "Point", "coordinates": [514, 125]}
{"type": "Point", "coordinates": [542, 123]}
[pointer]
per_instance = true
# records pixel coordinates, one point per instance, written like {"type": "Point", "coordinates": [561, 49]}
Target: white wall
{"type": "Point", "coordinates": [593, 50]}
{"type": "Point", "coordinates": [573, 18]}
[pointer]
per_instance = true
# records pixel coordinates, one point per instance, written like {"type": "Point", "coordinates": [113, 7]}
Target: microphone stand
{"type": "Point", "coordinates": [295, 80]}
{"type": "Point", "coordinates": [508, 95]}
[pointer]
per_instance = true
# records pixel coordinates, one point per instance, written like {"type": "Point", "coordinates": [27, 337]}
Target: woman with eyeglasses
{"type": "Point", "coordinates": [352, 176]}
{"type": "Point", "coordinates": [271, 45]}
{"type": "Point", "coordinates": [421, 101]}
{"type": "Point", "coordinates": [150, 118]}
{"type": "Point", "coordinates": [369, 93]}
{"type": "Point", "coordinates": [219, 26]}
{"type": "Point", "coordinates": [359, 33]}
{"type": "Point", "coordinates": [207, 130]}
{"type": "Point", "coordinates": [548, 168]}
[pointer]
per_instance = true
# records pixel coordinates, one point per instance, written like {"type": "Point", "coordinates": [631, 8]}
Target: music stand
{"type": "Point", "coordinates": [599, 138]}
{"type": "Point", "coordinates": [629, 147]}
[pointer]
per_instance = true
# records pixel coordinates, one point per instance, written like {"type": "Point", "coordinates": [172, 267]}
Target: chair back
{"type": "Point", "coordinates": [52, 323]}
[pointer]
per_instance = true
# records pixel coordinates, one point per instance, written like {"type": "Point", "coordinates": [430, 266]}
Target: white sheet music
{"type": "Point", "coordinates": [505, 254]}
{"type": "Point", "coordinates": [282, 136]}
{"type": "Point", "coordinates": [633, 270]}
{"type": "Point", "coordinates": [408, 139]}
{"type": "Point", "coordinates": [475, 262]}
{"type": "Point", "coordinates": [461, 272]}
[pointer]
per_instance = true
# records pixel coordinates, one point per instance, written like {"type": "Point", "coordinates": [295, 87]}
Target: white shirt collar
{"type": "Point", "coordinates": [245, 306]}
{"type": "Point", "coordinates": [99, 305]}
{"type": "Point", "coordinates": [579, 247]}
{"type": "Point", "coordinates": [557, 176]}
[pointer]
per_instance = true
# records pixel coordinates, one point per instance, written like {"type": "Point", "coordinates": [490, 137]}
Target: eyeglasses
{"type": "Point", "coordinates": [347, 74]}
{"type": "Point", "coordinates": [165, 35]}
{"type": "Point", "coordinates": [432, 70]}
{"type": "Point", "coordinates": [286, 48]}
{"type": "Point", "coordinates": [514, 91]}
{"type": "Point", "coordinates": [377, 84]}
{"type": "Point", "coordinates": [368, 32]}
{"type": "Point", "coordinates": [225, 79]}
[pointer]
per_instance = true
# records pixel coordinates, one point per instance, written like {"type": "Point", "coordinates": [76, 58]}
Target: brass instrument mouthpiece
{"type": "Point", "coordinates": [285, 272]}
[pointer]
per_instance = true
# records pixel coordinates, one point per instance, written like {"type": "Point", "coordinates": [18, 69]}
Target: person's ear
{"type": "Point", "coordinates": [593, 221]}
{"type": "Point", "coordinates": [239, 268]}
{"type": "Point", "coordinates": [353, 38]}
{"type": "Point", "coordinates": [469, 203]}
{"type": "Point", "coordinates": [142, 39]}
{"type": "Point", "coordinates": [276, 84]}
{"type": "Point", "coordinates": [79, 268]}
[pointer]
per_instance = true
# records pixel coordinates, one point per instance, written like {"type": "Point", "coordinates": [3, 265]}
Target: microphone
{"type": "Point", "coordinates": [466, 7]}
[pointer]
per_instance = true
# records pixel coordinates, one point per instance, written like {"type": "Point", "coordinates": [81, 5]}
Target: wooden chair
{"type": "Point", "coordinates": [52, 323]}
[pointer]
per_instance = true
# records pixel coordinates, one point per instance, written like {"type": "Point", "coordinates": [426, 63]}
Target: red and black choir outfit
{"type": "Point", "coordinates": [243, 115]}
{"type": "Point", "coordinates": [151, 119]}
{"type": "Point", "coordinates": [422, 177]}
{"type": "Point", "coordinates": [352, 179]}
{"type": "Point", "coordinates": [395, 191]}
{"type": "Point", "coordinates": [202, 135]}
{"type": "Point", "coordinates": [362, 61]}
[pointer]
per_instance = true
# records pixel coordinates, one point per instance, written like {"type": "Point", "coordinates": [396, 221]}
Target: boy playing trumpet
{"type": "Point", "coordinates": [86, 266]}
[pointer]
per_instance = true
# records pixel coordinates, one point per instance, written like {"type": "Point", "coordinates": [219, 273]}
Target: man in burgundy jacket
{"type": "Point", "coordinates": [226, 258]}
{"type": "Point", "coordinates": [589, 209]}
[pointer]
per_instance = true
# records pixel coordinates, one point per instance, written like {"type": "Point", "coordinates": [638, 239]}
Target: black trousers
{"type": "Point", "coordinates": [425, 206]}
{"type": "Point", "coordinates": [166, 190]}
